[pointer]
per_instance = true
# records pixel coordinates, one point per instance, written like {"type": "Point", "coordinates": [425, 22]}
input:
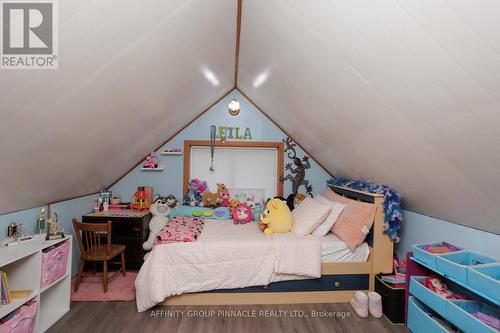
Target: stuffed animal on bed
{"type": "Point", "coordinates": [276, 218]}
{"type": "Point", "coordinates": [225, 198]}
{"type": "Point", "coordinates": [213, 199]}
{"type": "Point", "coordinates": [160, 207]}
{"type": "Point", "coordinates": [232, 204]}
{"type": "Point", "coordinates": [242, 214]}
{"type": "Point", "coordinates": [196, 188]}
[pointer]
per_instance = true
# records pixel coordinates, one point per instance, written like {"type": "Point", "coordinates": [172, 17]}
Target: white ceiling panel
{"type": "Point", "coordinates": [400, 92]}
{"type": "Point", "coordinates": [130, 74]}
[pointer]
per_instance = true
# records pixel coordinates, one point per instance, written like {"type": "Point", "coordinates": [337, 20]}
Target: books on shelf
{"type": "Point", "coordinates": [5, 290]}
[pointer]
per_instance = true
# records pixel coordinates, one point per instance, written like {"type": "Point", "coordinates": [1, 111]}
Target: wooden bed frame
{"type": "Point", "coordinates": [379, 261]}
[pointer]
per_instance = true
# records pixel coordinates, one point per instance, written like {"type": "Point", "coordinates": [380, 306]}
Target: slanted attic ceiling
{"type": "Point", "coordinates": [405, 93]}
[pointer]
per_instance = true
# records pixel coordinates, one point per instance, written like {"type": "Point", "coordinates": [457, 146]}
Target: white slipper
{"type": "Point", "coordinates": [375, 304]}
{"type": "Point", "coordinates": [360, 304]}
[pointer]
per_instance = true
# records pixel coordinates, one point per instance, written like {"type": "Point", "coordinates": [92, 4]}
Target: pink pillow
{"type": "Point", "coordinates": [354, 222]}
{"type": "Point", "coordinates": [308, 215]}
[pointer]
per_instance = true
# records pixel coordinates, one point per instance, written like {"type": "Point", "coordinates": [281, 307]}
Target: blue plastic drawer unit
{"type": "Point", "coordinates": [421, 319]}
{"type": "Point", "coordinates": [486, 280]}
{"type": "Point", "coordinates": [461, 313]}
{"type": "Point", "coordinates": [428, 258]}
{"type": "Point", "coordinates": [455, 265]}
{"type": "Point", "coordinates": [424, 294]}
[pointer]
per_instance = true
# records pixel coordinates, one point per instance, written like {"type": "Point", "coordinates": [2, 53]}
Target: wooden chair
{"type": "Point", "coordinates": [95, 246]}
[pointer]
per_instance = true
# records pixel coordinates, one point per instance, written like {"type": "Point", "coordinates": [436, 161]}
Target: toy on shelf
{"type": "Point", "coordinates": [436, 284]}
{"type": "Point", "coordinates": [242, 214]}
{"type": "Point", "coordinates": [276, 218]}
{"type": "Point", "coordinates": [41, 222]}
{"type": "Point", "coordinates": [140, 200]}
{"type": "Point", "coordinates": [213, 199]}
{"type": "Point", "coordinates": [196, 188]}
{"type": "Point", "coordinates": [152, 162]}
{"type": "Point", "coordinates": [54, 229]}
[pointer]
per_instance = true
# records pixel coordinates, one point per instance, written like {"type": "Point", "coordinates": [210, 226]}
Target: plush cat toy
{"type": "Point", "coordinates": [160, 207]}
{"type": "Point", "coordinates": [276, 218]}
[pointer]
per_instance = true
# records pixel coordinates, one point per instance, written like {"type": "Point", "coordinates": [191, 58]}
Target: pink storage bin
{"type": "Point", "coordinates": [54, 263]}
{"type": "Point", "coordinates": [22, 320]}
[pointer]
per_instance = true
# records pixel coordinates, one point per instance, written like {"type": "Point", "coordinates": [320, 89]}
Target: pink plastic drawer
{"type": "Point", "coordinates": [20, 321]}
{"type": "Point", "coordinates": [54, 263]}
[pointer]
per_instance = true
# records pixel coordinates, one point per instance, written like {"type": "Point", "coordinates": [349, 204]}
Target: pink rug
{"type": "Point", "coordinates": [91, 290]}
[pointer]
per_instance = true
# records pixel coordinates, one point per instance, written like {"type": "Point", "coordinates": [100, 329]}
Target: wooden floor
{"type": "Point", "coordinates": [123, 317]}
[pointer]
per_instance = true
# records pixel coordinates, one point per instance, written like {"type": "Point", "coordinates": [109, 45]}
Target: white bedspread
{"type": "Point", "coordinates": [225, 256]}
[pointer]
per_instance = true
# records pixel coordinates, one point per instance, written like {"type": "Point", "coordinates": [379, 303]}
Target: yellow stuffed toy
{"type": "Point", "coordinates": [276, 218]}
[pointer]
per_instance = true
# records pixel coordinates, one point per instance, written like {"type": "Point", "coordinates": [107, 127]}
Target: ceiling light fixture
{"type": "Point", "coordinates": [234, 107]}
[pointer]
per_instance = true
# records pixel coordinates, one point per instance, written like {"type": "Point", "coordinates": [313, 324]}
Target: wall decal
{"type": "Point", "coordinates": [297, 175]}
{"type": "Point", "coordinates": [233, 133]}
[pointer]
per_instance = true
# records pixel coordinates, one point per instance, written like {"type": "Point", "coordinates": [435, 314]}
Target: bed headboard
{"type": "Point", "coordinates": [383, 247]}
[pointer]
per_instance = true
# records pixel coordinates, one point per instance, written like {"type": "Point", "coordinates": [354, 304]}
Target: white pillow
{"type": "Point", "coordinates": [336, 209]}
{"type": "Point", "coordinates": [308, 215]}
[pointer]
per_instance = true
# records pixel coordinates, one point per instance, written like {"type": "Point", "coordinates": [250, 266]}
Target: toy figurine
{"type": "Point", "coordinates": [152, 161]}
{"type": "Point", "coordinates": [54, 229]}
{"type": "Point", "coordinates": [40, 222]}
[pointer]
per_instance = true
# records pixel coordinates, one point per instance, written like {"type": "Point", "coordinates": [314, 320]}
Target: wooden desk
{"type": "Point", "coordinates": [130, 228]}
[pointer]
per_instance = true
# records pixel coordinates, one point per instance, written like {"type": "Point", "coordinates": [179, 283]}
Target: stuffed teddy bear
{"type": "Point", "coordinates": [160, 208]}
{"type": "Point", "coordinates": [276, 218]}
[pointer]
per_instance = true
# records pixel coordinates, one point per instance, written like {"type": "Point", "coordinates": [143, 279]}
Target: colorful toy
{"type": "Point", "coordinates": [232, 204]}
{"type": "Point", "coordinates": [242, 214]}
{"type": "Point", "coordinates": [225, 199]}
{"type": "Point", "coordinates": [196, 188]}
{"type": "Point", "coordinates": [140, 199]}
{"type": "Point", "coordinates": [276, 218]}
{"type": "Point", "coordinates": [152, 161]}
{"type": "Point", "coordinates": [213, 199]}
{"type": "Point", "coordinates": [435, 284]}
{"type": "Point", "coordinates": [159, 209]}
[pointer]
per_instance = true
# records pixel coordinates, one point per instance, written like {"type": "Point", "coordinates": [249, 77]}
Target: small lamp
{"type": "Point", "coordinates": [234, 108]}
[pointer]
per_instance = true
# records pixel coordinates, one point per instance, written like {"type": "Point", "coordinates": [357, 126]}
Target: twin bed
{"type": "Point", "coordinates": [238, 264]}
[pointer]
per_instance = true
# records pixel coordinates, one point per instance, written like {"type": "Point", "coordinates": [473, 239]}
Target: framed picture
{"type": "Point", "coordinates": [243, 194]}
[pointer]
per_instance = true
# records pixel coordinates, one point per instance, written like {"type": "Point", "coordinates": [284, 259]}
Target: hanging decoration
{"type": "Point", "coordinates": [213, 132]}
{"type": "Point", "coordinates": [297, 175]}
{"type": "Point", "coordinates": [392, 203]}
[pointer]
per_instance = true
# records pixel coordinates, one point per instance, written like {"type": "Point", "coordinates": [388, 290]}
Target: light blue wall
{"type": "Point", "coordinates": [67, 210]}
{"type": "Point", "coordinates": [416, 228]}
{"type": "Point", "coordinates": [170, 180]}
{"type": "Point", "coordinates": [26, 217]}
{"type": "Point", "coordinates": [419, 228]}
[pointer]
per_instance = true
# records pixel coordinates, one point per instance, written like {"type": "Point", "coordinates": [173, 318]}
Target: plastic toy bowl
{"type": "Point", "coordinates": [197, 213]}
{"type": "Point", "coordinates": [219, 213]}
{"type": "Point", "coordinates": [208, 213]}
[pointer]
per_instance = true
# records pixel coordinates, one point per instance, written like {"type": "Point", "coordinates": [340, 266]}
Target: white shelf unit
{"type": "Point", "coordinates": [23, 264]}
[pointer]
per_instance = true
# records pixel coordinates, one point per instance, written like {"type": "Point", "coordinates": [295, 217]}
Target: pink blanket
{"type": "Point", "coordinates": [180, 229]}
